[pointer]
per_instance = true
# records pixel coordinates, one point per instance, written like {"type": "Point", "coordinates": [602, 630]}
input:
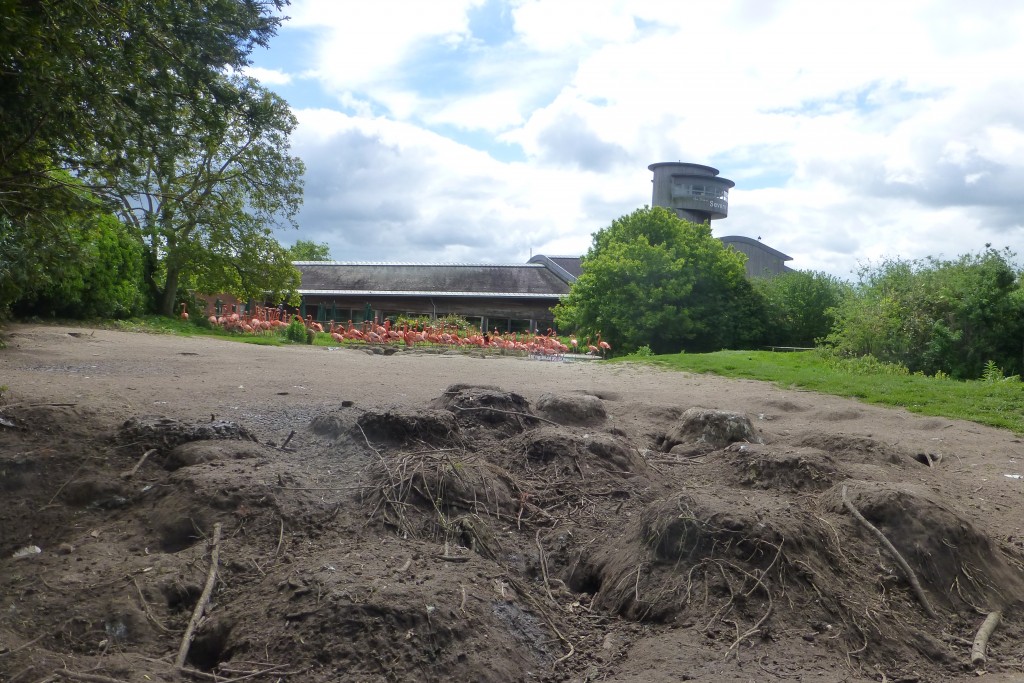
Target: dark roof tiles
{"type": "Point", "coordinates": [423, 279]}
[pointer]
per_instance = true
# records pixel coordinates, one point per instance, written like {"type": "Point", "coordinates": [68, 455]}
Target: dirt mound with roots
{"type": "Point", "coordinates": [481, 537]}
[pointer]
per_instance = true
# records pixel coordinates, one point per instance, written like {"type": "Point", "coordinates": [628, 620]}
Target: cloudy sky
{"type": "Point", "coordinates": [487, 130]}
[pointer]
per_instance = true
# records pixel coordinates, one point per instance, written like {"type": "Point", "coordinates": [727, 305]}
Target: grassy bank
{"type": "Point", "coordinates": [995, 402]}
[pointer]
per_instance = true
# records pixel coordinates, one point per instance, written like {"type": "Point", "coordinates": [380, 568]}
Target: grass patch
{"type": "Point", "coordinates": [158, 324]}
{"type": "Point", "coordinates": [998, 403]}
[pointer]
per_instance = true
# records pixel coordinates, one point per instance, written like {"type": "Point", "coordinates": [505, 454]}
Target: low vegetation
{"type": "Point", "coordinates": [994, 400]}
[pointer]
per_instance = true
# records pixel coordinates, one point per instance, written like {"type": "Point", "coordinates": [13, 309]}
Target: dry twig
{"type": "Point", "coordinates": [133, 471]}
{"type": "Point", "coordinates": [978, 657]}
{"type": "Point", "coordinates": [907, 571]}
{"type": "Point", "coordinates": [204, 600]}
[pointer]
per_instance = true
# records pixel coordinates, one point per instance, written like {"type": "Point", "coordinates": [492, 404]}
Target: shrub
{"type": "Point", "coordinates": [296, 331]}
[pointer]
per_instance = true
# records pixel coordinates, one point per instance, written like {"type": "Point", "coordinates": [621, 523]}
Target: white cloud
{"type": "Point", "coordinates": [854, 130]}
{"type": "Point", "coordinates": [268, 77]}
{"type": "Point", "coordinates": [363, 43]}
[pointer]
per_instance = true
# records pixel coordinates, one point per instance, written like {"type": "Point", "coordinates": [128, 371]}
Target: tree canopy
{"type": "Point", "coordinates": [203, 194]}
{"type": "Point", "coordinates": [936, 315]}
{"type": "Point", "coordinates": [77, 76]}
{"type": "Point", "coordinates": [307, 250]}
{"type": "Point", "coordinates": [142, 102]}
{"type": "Point", "coordinates": [800, 306]}
{"type": "Point", "coordinates": [653, 279]}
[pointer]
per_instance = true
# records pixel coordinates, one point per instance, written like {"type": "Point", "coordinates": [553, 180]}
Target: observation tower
{"type": "Point", "coordinates": [695, 192]}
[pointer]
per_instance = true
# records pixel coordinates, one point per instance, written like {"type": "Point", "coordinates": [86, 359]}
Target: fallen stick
{"type": "Point", "coordinates": [978, 657]}
{"type": "Point", "coordinates": [149, 612]}
{"type": "Point", "coordinates": [907, 571]}
{"type": "Point", "coordinates": [204, 600]}
{"type": "Point", "coordinates": [131, 473]}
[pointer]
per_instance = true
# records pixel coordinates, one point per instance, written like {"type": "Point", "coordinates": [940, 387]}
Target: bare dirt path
{"type": "Point", "coordinates": [417, 535]}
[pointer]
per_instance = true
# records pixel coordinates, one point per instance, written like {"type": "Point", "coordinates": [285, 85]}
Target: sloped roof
{"type": "Point", "coordinates": [570, 263]}
{"type": "Point", "coordinates": [429, 279]}
{"type": "Point", "coordinates": [758, 244]}
{"type": "Point", "coordinates": [565, 267]}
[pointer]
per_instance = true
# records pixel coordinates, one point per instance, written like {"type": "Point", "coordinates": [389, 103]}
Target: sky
{"type": "Point", "coordinates": [487, 131]}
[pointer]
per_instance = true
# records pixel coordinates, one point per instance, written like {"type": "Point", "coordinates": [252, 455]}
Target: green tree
{"type": "Point", "coordinates": [307, 250]}
{"type": "Point", "coordinates": [937, 315]}
{"type": "Point", "coordinates": [75, 260]}
{"type": "Point", "coordinates": [100, 274]}
{"type": "Point", "coordinates": [77, 76]}
{"type": "Point", "coordinates": [203, 188]}
{"type": "Point", "coordinates": [92, 87]}
{"type": "Point", "coordinates": [653, 279]}
{"type": "Point", "coordinates": [799, 306]}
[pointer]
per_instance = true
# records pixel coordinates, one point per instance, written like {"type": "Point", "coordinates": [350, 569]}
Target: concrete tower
{"type": "Point", "coordinates": [693, 191]}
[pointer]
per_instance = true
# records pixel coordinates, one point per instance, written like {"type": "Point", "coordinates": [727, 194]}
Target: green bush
{"type": "Point", "coordinates": [799, 306]}
{"type": "Point", "coordinates": [653, 279]}
{"type": "Point", "coordinates": [933, 315]}
{"type": "Point", "coordinates": [296, 331]}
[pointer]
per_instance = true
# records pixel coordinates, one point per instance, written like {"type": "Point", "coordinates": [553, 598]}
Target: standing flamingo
{"type": "Point", "coordinates": [184, 311]}
{"type": "Point", "coordinates": [605, 346]}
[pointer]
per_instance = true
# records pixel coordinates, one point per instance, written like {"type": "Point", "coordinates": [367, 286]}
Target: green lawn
{"type": "Point", "coordinates": [158, 324]}
{"type": "Point", "coordinates": [995, 403]}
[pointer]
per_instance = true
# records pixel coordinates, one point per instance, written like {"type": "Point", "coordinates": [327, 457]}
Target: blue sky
{"type": "Point", "coordinates": [490, 130]}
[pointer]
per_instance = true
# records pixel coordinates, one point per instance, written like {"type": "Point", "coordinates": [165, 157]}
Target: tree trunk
{"type": "Point", "coordinates": [170, 292]}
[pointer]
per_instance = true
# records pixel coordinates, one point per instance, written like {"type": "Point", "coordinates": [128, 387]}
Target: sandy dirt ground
{"type": "Point", "coordinates": [478, 517]}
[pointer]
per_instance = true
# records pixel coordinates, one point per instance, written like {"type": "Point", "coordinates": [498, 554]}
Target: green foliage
{"type": "Point", "coordinates": [935, 315]}
{"type": "Point", "coordinates": [88, 265]}
{"type": "Point", "coordinates": [799, 306]}
{"type": "Point", "coordinates": [452, 320]}
{"type": "Point", "coordinates": [77, 78]}
{"type": "Point", "coordinates": [653, 279]}
{"type": "Point", "coordinates": [205, 186]}
{"type": "Point", "coordinates": [307, 250]}
{"type": "Point", "coordinates": [861, 365]}
{"type": "Point", "coordinates": [999, 404]}
{"type": "Point", "coordinates": [993, 373]}
{"type": "Point", "coordinates": [296, 331]}
{"type": "Point", "coordinates": [643, 352]}
{"type": "Point", "coordinates": [139, 101]}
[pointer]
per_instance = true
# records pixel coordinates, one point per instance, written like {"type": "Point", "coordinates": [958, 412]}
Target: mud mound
{"type": "Point", "coordinates": [802, 469]}
{"type": "Point", "coordinates": [953, 559]}
{"type": "Point", "coordinates": [401, 622]}
{"type": "Point", "coordinates": [399, 426]}
{"type": "Point", "coordinates": [443, 497]}
{"type": "Point", "coordinates": [578, 409]}
{"type": "Point", "coordinates": [487, 408]}
{"type": "Point", "coordinates": [165, 433]}
{"type": "Point", "coordinates": [714, 428]}
{"type": "Point", "coordinates": [566, 452]}
{"type": "Point", "coordinates": [391, 426]}
{"type": "Point", "coordinates": [200, 452]}
{"type": "Point", "coordinates": [102, 494]}
{"type": "Point", "coordinates": [859, 449]}
{"type": "Point", "coordinates": [689, 545]}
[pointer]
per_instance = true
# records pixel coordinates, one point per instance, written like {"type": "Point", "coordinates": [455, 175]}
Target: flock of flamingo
{"type": "Point", "coordinates": [548, 346]}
